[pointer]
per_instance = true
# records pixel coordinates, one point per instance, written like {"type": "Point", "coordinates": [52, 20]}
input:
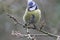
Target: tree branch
{"type": "Point", "coordinates": [40, 30]}
{"type": "Point", "coordinates": [15, 20]}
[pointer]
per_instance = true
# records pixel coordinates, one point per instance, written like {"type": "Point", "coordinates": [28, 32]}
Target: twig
{"type": "Point", "coordinates": [15, 20]}
{"type": "Point", "coordinates": [49, 34]}
{"type": "Point", "coordinates": [29, 35]}
{"type": "Point", "coordinates": [58, 38]}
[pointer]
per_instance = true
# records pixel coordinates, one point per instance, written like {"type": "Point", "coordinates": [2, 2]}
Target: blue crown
{"type": "Point", "coordinates": [31, 4]}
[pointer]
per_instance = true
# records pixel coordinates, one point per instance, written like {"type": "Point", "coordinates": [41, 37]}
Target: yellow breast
{"type": "Point", "coordinates": [36, 13]}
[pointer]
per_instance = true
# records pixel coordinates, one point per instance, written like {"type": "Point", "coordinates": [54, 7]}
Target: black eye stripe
{"type": "Point", "coordinates": [32, 7]}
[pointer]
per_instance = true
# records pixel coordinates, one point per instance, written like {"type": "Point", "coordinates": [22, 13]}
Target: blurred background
{"type": "Point", "coordinates": [50, 13]}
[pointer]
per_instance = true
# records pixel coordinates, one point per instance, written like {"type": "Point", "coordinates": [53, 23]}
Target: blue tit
{"type": "Point", "coordinates": [32, 14]}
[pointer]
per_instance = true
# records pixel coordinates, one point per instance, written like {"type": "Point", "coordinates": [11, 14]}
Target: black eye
{"type": "Point", "coordinates": [31, 7]}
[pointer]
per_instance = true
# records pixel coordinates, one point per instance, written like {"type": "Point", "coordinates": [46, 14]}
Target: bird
{"type": "Point", "coordinates": [32, 13]}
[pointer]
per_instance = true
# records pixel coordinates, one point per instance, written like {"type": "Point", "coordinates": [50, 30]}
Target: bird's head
{"type": "Point", "coordinates": [32, 5]}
